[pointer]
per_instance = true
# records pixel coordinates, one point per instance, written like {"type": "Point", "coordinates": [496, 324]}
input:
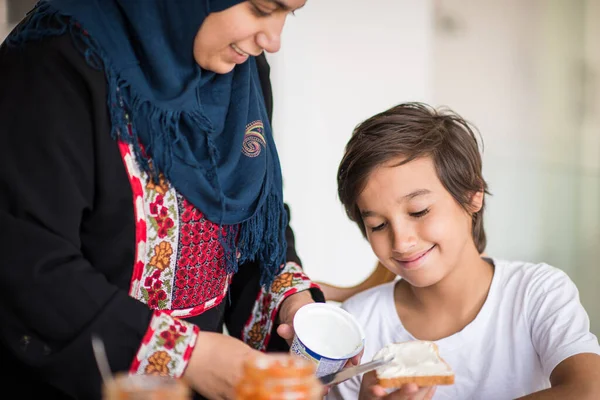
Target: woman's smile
{"type": "Point", "coordinates": [239, 55]}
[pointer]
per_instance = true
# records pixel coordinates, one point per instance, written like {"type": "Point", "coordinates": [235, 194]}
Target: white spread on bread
{"type": "Point", "coordinates": [414, 358]}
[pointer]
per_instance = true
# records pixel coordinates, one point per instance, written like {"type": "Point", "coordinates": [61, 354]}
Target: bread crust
{"type": "Point", "coordinates": [419, 380]}
{"type": "Point", "coordinates": [423, 380]}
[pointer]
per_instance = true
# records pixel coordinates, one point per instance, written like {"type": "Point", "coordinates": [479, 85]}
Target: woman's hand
{"type": "Point", "coordinates": [369, 390]}
{"type": "Point", "coordinates": [216, 364]}
{"type": "Point", "coordinates": [288, 310]}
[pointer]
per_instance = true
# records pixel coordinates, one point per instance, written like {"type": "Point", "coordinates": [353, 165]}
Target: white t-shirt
{"type": "Point", "coordinates": [531, 320]}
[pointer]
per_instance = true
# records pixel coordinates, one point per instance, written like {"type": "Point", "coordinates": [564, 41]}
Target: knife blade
{"type": "Point", "coordinates": [347, 373]}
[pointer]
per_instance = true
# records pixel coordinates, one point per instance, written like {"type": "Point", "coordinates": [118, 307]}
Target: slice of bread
{"type": "Point", "coordinates": [416, 361]}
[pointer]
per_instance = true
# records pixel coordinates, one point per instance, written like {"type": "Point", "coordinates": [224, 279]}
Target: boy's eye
{"type": "Point", "coordinates": [378, 227]}
{"type": "Point", "coordinates": [419, 214]}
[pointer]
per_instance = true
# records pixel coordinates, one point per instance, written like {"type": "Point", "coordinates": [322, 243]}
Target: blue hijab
{"type": "Point", "coordinates": [207, 133]}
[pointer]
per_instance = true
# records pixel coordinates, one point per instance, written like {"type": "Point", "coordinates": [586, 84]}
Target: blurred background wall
{"type": "Point", "coordinates": [12, 11]}
{"type": "Point", "coordinates": [525, 73]}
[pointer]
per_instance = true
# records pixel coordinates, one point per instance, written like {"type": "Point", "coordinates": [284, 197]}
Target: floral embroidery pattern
{"type": "Point", "coordinates": [282, 282]}
{"type": "Point", "coordinates": [256, 335]}
{"type": "Point", "coordinates": [159, 214]}
{"type": "Point", "coordinates": [254, 140]}
{"type": "Point", "coordinates": [154, 294]}
{"type": "Point", "coordinates": [162, 256]}
{"type": "Point", "coordinates": [179, 265]}
{"type": "Point", "coordinates": [158, 364]}
{"type": "Point", "coordinates": [159, 270]}
{"type": "Point", "coordinates": [179, 270]}
{"type": "Point", "coordinates": [201, 276]}
{"type": "Point", "coordinates": [257, 330]}
{"type": "Point", "coordinates": [161, 188]}
{"type": "Point", "coordinates": [166, 347]}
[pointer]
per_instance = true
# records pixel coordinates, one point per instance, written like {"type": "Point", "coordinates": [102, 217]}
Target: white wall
{"type": "Point", "coordinates": [341, 61]}
{"type": "Point", "coordinates": [484, 72]}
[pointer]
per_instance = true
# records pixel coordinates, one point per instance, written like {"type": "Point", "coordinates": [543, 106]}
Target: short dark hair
{"type": "Point", "coordinates": [414, 130]}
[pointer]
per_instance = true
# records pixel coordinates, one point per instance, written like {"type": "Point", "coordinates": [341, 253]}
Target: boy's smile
{"type": "Point", "coordinates": [415, 260]}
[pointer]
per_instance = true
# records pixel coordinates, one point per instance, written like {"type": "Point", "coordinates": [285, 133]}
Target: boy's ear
{"type": "Point", "coordinates": [476, 202]}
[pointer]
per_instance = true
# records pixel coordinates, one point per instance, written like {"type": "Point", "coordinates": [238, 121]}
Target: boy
{"type": "Point", "coordinates": [411, 179]}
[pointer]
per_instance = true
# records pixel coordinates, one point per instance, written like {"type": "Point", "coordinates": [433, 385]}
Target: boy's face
{"type": "Point", "coordinates": [415, 227]}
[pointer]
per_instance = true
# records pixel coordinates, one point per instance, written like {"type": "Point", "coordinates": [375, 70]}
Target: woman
{"type": "Point", "coordinates": [139, 176]}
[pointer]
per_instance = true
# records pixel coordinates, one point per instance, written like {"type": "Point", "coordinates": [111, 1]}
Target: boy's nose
{"type": "Point", "coordinates": [404, 243]}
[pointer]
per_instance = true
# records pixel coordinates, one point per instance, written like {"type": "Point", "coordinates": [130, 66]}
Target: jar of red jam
{"type": "Point", "coordinates": [279, 377]}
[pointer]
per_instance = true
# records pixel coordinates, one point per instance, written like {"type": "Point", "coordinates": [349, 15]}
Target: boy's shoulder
{"type": "Point", "coordinates": [529, 278]}
{"type": "Point", "coordinates": [509, 270]}
{"type": "Point", "coordinates": [371, 297]}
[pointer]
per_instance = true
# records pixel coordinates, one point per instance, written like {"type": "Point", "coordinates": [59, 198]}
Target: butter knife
{"type": "Point", "coordinates": [347, 373]}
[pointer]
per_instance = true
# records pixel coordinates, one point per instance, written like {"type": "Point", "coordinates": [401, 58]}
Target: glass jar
{"type": "Point", "coordinates": [279, 377]}
{"type": "Point", "coordinates": [145, 387]}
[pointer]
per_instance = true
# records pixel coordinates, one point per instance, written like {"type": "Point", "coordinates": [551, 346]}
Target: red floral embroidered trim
{"type": "Point", "coordinates": [290, 280]}
{"type": "Point", "coordinates": [179, 261]}
{"type": "Point", "coordinates": [139, 214]}
{"type": "Point", "coordinates": [166, 348]}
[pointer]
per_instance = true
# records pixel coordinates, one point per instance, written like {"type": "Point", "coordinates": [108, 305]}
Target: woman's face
{"type": "Point", "coordinates": [229, 37]}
